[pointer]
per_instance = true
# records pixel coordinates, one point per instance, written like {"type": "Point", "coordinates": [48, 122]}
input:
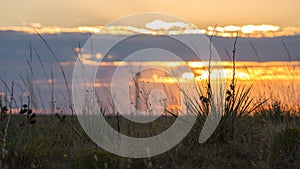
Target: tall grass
{"type": "Point", "coordinates": [4, 141]}
{"type": "Point", "coordinates": [238, 105]}
{"type": "Point", "coordinates": [60, 68]}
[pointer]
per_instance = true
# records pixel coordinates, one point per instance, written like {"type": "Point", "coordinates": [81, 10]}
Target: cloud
{"type": "Point", "coordinates": [159, 24]}
{"type": "Point", "coordinates": [259, 28]}
{"type": "Point", "coordinates": [158, 27]}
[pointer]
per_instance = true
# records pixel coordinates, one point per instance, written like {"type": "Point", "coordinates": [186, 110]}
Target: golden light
{"type": "Point", "coordinates": [187, 76]}
{"type": "Point", "coordinates": [198, 78]}
{"type": "Point", "coordinates": [86, 56]}
{"type": "Point", "coordinates": [196, 64]}
{"type": "Point", "coordinates": [85, 60]}
{"type": "Point", "coordinates": [98, 84]}
{"type": "Point", "coordinates": [88, 29]}
{"type": "Point", "coordinates": [259, 28]}
{"type": "Point", "coordinates": [110, 57]}
{"type": "Point", "coordinates": [204, 64]}
{"type": "Point", "coordinates": [219, 29]}
{"type": "Point", "coordinates": [203, 76]}
{"type": "Point", "coordinates": [232, 28]}
{"type": "Point", "coordinates": [156, 79]}
{"type": "Point", "coordinates": [159, 27]}
{"type": "Point", "coordinates": [242, 76]}
{"type": "Point", "coordinates": [210, 28]}
{"type": "Point", "coordinates": [36, 25]}
{"type": "Point", "coordinates": [77, 49]}
{"type": "Point", "coordinates": [174, 64]}
{"type": "Point", "coordinates": [98, 56]}
{"type": "Point", "coordinates": [49, 81]}
{"type": "Point", "coordinates": [194, 31]}
{"type": "Point", "coordinates": [159, 24]}
{"type": "Point", "coordinates": [222, 74]}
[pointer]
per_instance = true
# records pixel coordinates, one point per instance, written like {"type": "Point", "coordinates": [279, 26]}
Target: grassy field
{"type": "Point", "coordinates": [269, 139]}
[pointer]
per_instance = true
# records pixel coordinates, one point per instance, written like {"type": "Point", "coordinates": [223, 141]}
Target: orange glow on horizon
{"type": "Point", "coordinates": [244, 70]}
{"type": "Point", "coordinates": [276, 80]}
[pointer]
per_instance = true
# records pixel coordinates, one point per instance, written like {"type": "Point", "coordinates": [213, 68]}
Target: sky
{"type": "Point", "coordinates": [70, 13]}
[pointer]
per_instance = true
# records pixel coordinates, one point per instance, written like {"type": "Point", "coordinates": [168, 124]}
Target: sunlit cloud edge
{"type": "Point", "coordinates": [158, 27]}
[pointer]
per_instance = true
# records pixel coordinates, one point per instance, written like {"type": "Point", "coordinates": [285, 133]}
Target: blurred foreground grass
{"type": "Point", "coordinates": [270, 140]}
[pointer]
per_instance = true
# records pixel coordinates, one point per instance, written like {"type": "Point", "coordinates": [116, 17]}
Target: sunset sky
{"type": "Point", "coordinates": [70, 13]}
